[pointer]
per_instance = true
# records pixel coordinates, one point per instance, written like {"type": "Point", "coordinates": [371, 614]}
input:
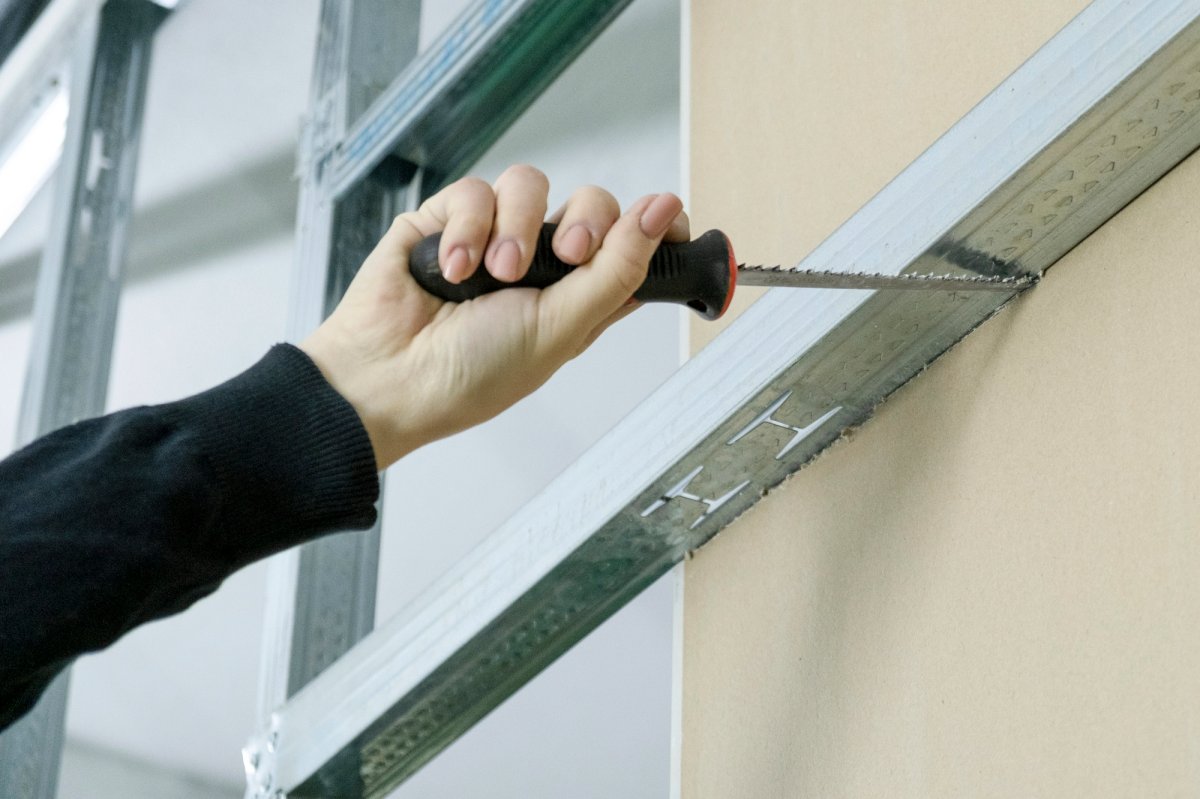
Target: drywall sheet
{"type": "Point", "coordinates": [993, 587]}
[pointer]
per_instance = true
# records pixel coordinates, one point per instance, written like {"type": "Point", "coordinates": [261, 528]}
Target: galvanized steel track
{"type": "Point", "coordinates": [461, 94]}
{"type": "Point", "coordinates": [79, 282]}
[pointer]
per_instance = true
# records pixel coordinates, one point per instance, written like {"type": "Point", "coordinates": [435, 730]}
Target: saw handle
{"type": "Point", "coordinates": [700, 274]}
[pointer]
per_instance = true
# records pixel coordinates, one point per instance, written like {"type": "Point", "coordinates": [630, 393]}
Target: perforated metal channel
{"type": "Point", "coordinates": [1154, 118]}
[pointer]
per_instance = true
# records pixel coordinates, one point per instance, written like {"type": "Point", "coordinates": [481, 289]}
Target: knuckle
{"type": "Point", "coordinates": [472, 186]}
{"type": "Point", "coordinates": [473, 222]}
{"type": "Point", "coordinates": [597, 197]}
{"type": "Point", "coordinates": [403, 223]}
{"type": "Point", "coordinates": [524, 173]}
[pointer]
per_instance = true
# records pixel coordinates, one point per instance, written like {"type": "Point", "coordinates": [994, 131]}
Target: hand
{"type": "Point", "coordinates": [418, 369]}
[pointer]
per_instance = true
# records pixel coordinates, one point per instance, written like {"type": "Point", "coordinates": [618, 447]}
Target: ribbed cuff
{"type": "Point", "coordinates": [289, 453]}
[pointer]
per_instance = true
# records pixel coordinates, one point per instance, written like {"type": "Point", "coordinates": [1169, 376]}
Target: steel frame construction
{"type": "Point", "coordinates": [322, 596]}
{"type": "Point", "coordinates": [1097, 115]}
{"type": "Point", "coordinates": [460, 95]}
{"type": "Point", "coordinates": [78, 287]}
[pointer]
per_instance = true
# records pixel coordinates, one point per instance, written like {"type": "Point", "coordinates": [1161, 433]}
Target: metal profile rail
{"type": "Point", "coordinates": [321, 597]}
{"type": "Point", "coordinates": [466, 89]}
{"type": "Point", "coordinates": [494, 61]}
{"type": "Point", "coordinates": [460, 95]}
{"type": "Point", "coordinates": [1097, 115]}
{"type": "Point", "coordinates": [39, 63]}
{"type": "Point", "coordinates": [78, 286]}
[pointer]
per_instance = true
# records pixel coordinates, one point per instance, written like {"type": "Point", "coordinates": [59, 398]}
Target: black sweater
{"type": "Point", "coordinates": [116, 521]}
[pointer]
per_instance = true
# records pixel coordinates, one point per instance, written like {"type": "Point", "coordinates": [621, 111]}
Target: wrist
{"type": "Point", "coordinates": [354, 377]}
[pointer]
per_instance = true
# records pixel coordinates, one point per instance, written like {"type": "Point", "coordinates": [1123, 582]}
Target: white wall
{"type": "Point", "coordinates": [180, 693]}
{"type": "Point", "coordinates": [93, 772]}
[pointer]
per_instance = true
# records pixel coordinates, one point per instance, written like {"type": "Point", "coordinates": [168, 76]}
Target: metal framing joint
{"type": "Point", "coordinates": [259, 759]}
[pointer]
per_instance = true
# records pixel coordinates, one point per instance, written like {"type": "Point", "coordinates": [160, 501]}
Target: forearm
{"type": "Point", "coordinates": [117, 521]}
{"type": "Point", "coordinates": [121, 520]}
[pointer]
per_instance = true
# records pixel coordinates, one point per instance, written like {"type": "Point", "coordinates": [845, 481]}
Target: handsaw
{"type": "Point", "coordinates": [701, 274]}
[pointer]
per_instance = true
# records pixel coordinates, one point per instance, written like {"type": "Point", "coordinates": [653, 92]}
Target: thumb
{"type": "Point", "coordinates": [592, 293]}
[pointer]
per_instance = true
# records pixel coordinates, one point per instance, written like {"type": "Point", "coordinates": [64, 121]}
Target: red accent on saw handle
{"type": "Point", "coordinates": [700, 274]}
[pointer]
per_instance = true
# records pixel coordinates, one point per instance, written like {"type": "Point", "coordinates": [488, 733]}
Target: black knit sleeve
{"type": "Point", "coordinates": [116, 521]}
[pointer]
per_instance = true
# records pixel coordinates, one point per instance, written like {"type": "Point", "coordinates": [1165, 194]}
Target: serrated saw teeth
{"type": "Point", "coordinates": [816, 278]}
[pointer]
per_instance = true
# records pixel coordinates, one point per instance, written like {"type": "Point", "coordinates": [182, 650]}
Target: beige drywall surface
{"type": "Point", "coordinates": [993, 587]}
{"type": "Point", "coordinates": [801, 110]}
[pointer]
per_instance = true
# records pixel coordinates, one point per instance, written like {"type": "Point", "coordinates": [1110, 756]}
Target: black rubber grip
{"type": "Point", "coordinates": [700, 274]}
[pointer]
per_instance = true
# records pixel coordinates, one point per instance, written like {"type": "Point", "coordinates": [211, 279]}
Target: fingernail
{"type": "Point", "coordinates": [575, 243]}
{"type": "Point", "coordinates": [506, 260]}
{"type": "Point", "coordinates": [456, 265]}
{"type": "Point", "coordinates": [659, 214]}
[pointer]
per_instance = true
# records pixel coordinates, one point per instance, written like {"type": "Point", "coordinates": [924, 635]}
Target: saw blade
{"type": "Point", "coordinates": [819, 279]}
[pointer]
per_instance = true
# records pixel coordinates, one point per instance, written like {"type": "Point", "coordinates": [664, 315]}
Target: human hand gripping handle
{"type": "Point", "coordinates": [417, 368]}
{"type": "Point", "coordinates": [700, 274]}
